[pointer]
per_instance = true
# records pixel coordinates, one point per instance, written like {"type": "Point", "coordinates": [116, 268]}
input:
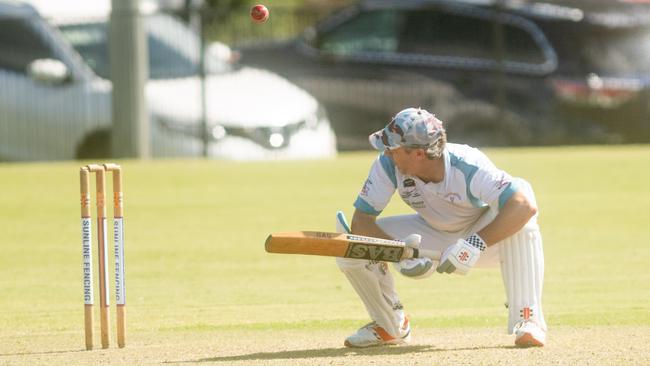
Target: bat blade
{"type": "Point", "coordinates": [338, 245]}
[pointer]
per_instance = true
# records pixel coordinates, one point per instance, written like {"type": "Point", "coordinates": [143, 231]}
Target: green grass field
{"type": "Point", "coordinates": [201, 289]}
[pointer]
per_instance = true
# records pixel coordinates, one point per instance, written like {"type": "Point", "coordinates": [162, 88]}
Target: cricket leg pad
{"type": "Point", "coordinates": [375, 286]}
{"type": "Point", "coordinates": [522, 270]}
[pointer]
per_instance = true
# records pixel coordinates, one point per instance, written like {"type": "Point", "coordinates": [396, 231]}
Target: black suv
{"type": "Point", "coordinates": [497, 72]}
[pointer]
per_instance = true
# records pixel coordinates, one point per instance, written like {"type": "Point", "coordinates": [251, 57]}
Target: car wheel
{"type": "Point", "coordinates": [483, 125]}
{"type": "Point", "coordinates": [96, 145]}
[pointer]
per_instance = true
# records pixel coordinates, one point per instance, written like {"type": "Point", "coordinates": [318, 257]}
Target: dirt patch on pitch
{"type": "Point", "coordinates": [566, 345]}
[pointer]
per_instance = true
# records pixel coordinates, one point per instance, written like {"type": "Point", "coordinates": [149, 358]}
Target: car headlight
{"type": "Point", "coordinates": [215, 132]}
{"type": "Point", "coordinates": [276, 140]}
{"type": "Point", "coordinates": [269, 137]}
{"type": "Point", "coordinates": [187, 129]}
{"type": "Point", "coordinates": [218, 132]}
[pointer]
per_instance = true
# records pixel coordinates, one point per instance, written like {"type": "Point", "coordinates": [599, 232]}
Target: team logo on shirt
{"type": "Point", "coordinates": [452, 197]}
{"type": "Point", "coordinates": [366, 188]}
{"type": "Point", "coordinates": [408, 189]}
{"type": "Point", "coordinates": [503, 182]}
{"type": "Point", "coordinates": [410, 194]}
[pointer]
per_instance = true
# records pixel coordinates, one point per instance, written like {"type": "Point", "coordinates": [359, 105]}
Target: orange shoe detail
{"type": "Point", "coordinates": [383, 334]}
{"type": "Point", "coordinates": [529, 334]}
{"type": "Point", "coordinates": [405, 325]}
{"type": "Point", "coordinates": [373, 335]}
{"type": "Point", "coordinates": [527, 340]}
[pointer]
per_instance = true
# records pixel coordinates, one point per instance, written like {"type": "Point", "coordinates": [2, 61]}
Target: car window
{"type": "Point", "coordinates": [443, 34]}
{"type": "Point", "coordinates": [373, 31]}
{"type": "Point", "coordinates": [20, 44]}
{"type": "Point", "coordinates": [91, 41]}
{"type": "Point", "coordinates": [452, 37]}
{"type": "Point", "coordinates": [520, 46]}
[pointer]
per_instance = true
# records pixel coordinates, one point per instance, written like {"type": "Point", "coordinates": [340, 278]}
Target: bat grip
{"type": "Point", "coordinates": [422, 253]}
{"type": "Point", "coordinates": [433, 254]}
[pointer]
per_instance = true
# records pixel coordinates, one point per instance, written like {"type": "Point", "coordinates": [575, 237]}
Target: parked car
{"type": "Point", "coordinates": [497, 72]}
{"type": "Point", "coordinates": [55, 91]}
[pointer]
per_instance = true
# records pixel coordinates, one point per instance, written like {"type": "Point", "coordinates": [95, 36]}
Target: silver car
{"type": "Point", "coordinates": [55, 93]}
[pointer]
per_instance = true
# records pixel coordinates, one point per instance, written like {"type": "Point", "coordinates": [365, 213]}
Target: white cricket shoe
{"type": "Point", "coordinates": [371, 335]}
{"type": "Point", "coordinates": [529, 334]}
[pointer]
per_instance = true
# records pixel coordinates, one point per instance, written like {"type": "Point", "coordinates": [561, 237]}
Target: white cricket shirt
{"type": "Point", "coordinates": [472, 184]}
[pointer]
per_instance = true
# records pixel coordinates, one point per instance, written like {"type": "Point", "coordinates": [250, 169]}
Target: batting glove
{"type": "Point", "coordinates": [416, 268]}
{"type": "Point", "coordinates": [413, 240]}
{"type": "Point", "coordinates": [462, 256]}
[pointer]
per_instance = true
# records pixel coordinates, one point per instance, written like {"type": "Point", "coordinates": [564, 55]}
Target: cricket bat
{"type": "Point", "coordinates": [344, 245]}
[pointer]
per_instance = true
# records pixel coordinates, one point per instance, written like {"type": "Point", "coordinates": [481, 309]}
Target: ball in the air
{"type": "Point", "coordinates": [259, 13]}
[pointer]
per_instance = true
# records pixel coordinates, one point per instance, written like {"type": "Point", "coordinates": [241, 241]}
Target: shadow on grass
{"type": "Point", "coordinates": [42, 353]}
{"type": "Point", "coordinates": [335, 352]}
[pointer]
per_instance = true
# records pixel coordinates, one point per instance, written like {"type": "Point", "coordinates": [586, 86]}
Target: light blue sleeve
{"type": "Point", "coordinates": [378, 188]}
{"type": "Point", "coordinates": [486, 184]}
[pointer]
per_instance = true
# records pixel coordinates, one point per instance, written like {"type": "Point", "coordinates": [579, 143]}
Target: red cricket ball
{"type": "Point", "coordinates": [259, 13]}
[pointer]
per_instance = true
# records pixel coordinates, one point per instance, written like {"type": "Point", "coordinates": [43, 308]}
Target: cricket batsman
{"type": "Point", "coordinates": [465, 207]}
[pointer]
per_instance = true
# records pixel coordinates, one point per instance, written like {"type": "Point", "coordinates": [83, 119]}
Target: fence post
{"type": "Point", "coordinates": [129, 59]}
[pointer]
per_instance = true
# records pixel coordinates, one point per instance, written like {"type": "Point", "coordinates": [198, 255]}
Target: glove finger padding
{"type": "Point", "coordinates": [416, 268]}
{"type": "Point", "coordinates": [446, 267]}
{"type": "Point", "coordinates": [459, 258]}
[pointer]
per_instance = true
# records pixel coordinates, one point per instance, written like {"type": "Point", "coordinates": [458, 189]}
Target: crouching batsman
{"type": "Point", "coordinates": [465, 207]}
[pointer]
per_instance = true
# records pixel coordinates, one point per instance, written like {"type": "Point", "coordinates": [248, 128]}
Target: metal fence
{"type": "Point", "coordinates": [491, 75]}
{"type": "Point", "coordinates": [498, 75]}
{"type": "Point", "coordinates": [56, 92]}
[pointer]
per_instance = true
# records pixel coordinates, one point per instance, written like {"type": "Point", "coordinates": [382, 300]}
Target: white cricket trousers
{"type": "Point", "coordinates": [520, 257]}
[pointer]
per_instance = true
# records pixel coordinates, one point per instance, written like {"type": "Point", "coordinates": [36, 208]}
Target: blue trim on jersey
{"type": "Point", "coordinates": [468, 171]}
{"type": "Point", "coordinates": [364, 206]}
{"type": "Point", "coordinates": [507, 193]}
{"type": "Point", "coordinates": [389, 167]}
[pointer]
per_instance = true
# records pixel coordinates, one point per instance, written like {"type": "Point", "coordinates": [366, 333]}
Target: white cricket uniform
{"type": "Point", "coordinates": [469, 196]}
{"type": "Point", "coordinates": [466, 200]}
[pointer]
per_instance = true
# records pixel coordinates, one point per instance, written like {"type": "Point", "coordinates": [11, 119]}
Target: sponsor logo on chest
{"type": "Point", "coordinates": [452, 197]}
{"type": "Point", "coordinates": [410, 194]}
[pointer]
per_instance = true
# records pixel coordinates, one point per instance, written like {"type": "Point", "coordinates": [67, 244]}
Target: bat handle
{"type": "Point", "coordinates": [433, 254]}
{"type": "Point", "coordinates": [421, 253]}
